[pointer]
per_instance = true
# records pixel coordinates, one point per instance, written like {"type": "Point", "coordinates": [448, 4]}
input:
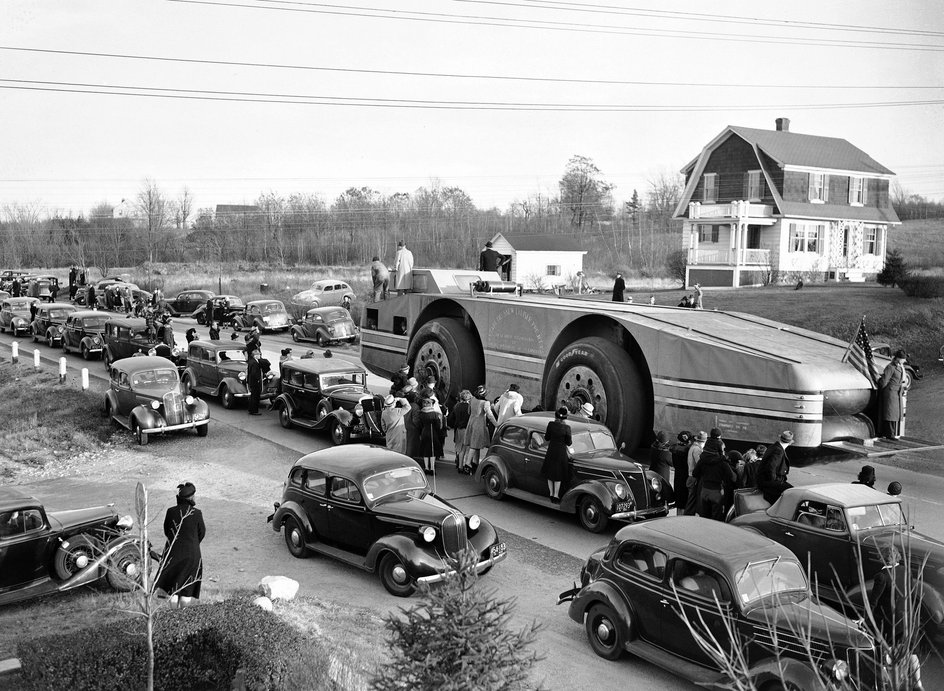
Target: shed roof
{"type": "Point", "coordinates": [542, 243]}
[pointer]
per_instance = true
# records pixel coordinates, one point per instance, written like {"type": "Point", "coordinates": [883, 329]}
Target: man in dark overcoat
{"type": "Point", "coordinates": [255, 372]}
{"type": "Point", "coordinates": [774, 468]}
{"type": "Point", "coordinates": [893, 387]}
{"type": "Point", "coordinates": [489, 259]}
{"type": "Point", "coordinates": [619, 287]}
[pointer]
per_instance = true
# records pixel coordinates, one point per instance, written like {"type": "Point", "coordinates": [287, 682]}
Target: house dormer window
{"type": "Point", "coordinates": [858, 191]}
{"type": "Point", "coordinates": [755, 186]}
{"type": "Point", "coordinates": [819, 188]}
{"type": "Point", "coordinates": [711, 187]}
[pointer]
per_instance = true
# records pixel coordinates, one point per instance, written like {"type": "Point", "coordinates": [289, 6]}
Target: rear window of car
{"type": "Point", "coordinates": [336, 314]}
{"type": "Point", "coordinates": [515, 436]}
{"type": "Point", "coordinates": [643, 559]}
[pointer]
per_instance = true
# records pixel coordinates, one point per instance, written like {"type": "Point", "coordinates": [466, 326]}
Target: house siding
{"type": "Point", "coordinates": [730, 162]}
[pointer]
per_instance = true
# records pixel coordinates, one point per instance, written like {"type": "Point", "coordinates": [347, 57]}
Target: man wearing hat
{"type": "Point", "coordinates": [585, 411]}
{"type": "Point", "coordinates": [404, 267]}
{"type": "Point", "coordinates": [253, 341]}
{"type": "Point", "coordinates": [894, 385]}
{"type": "Point", "coordinates": [509, 403]}
{"type": "Point", "coordinates": [691, 484]}
{"type": "Point", "coordinates": [489, 259]}
{"type": "Point", "coordinates": [866, 477]}
{"type": "Point", "coordinates": [774, 468]}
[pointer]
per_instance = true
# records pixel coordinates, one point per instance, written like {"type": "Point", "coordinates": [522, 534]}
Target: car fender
{"type": "Point", "coordinates": [298, 332]}
{"type": "Point", "coordinates": [188, 372]}
{"type": "Point", "coordinates": [787, 670]}
{"type": "Point", "coordinates": [87, 341]}
{"type": "Point", "coordinates": [296, 511]}
{"type": "Point", "coordinates": [493, 461]}
{"type": "Point", "coordinates": [406, 550]}
{"type": "Point", "coordinates": [201, 408]}
{"type": "Point", "coordinates": [145, 416]}
{"type": "Point", "coordinates": [345, 417]}
{"type": "Point", "coordinates": [328, 420]}
{"type": "Point", "coordinates": [234, 385]}
{"type": "Point", "coordinates": [111, 400]}
{"type": "Point", "coordinates": [592, 487]}
{"type": "Point", "coordinates": [96, 568]}
{"type": "Point", "coordinates": [51, 332]}
{"type": "Point", "coordinates": [608, 594]}
{"type": "Point", "coordinates": [284, 400]}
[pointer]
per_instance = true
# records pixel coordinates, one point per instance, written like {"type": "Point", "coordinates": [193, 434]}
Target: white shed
{"type": "Point", "coordinates": [548, 260]}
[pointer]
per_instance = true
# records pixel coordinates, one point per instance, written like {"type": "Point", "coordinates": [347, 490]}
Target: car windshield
{"type": "Point", "coordinates": [770, 578]}
{"type": "Point", "coordinates": [233, 355]}
{"type": "Point", "coordinates": [341, 378]}
{"type": "Point", "coordinates": [391, 481]}
{"type": "Point", "coordinates": [97, 323]}
{"type": "Point", "coordinates": [154, 381]}
{"type": "Point", "coordinates": [231, 301]}
{"type": "Point", "coordinates": [593, 440]}
{"type": "Point", "coordinates": [19, 307]}
{"type": "Point", "coordinates": [273, 307]}
{"type": "Point", "coordinates": [874, 516]}
{"type": "Point", "coordinates": [59, 314]}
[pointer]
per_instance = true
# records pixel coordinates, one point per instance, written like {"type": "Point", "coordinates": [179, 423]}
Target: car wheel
{"type": "Point", "coordinates": [50, 341]}
{"type": "Point", "coordinates": [124, 569]}
{"type": "Point", "coordinates": [203, 430]}
{"type": "Point", "coordinates": [295, 538]}
{"type": "Point", "coordinates": [227, 399]}
{"type": "Point", "coordinates": [139, 434]}
{"type": "Point", "coordinates": [604, 632]}
{"type": "Point", "coordinates": [35, 338]}
{"type": "Point", "coordinates": [448, 350]}
{"type": "Point", "coordinates": [320, 340]}
{"type": "Point", "coordinates": [591, 515]}
{"type": "Point", "coordinates": [285, 418]}
{"type": "Point", "coordinates": [598, 371]}
{"type": "Point", "coordinates": [494, 483]}
{"type": "Point", "coordinates": [186, 385]}
{"type": "Point", "coordinates": [81, 552]}
{"type": "Point", "coordinates": [236, 325]}
{"type": "Point", "coordinates": [201, 320]}
{"type": "Point", "coordinates": [394, 576]}
{"type": "Point", "coordinates": [86, 355]}
{"type": "Point", "coordinates": [295, 336]}
{"type": "Point", "coordinates": [339, 433]}
{"type": "Point", "coordinates": [106, 358]}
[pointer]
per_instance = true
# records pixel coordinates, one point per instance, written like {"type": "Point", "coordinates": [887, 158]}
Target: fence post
{"type": "Point", "coordinates": [85, 380]}
{"type": "Point", "coordinates": [62, 370]}
{"type": "Point", "coordinates": [36, 358]}
{"type": "Point", "coordinates": [15, 352]}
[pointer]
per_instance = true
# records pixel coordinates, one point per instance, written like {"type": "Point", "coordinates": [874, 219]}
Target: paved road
{"type": "Point", "coordinates": [247, 458]}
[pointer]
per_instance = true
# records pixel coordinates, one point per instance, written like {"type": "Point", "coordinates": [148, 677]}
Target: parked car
{"type": "Point", "coordinates": [41, 286]}
{"type": "Point", "coordinates": [7, 276]}
{"type": "Point", "coordinates": [218, 368]}
{"type": "Point", "coordinates": [372, 508]}
{"type": "Point", "coordinates": [329, 393]}
{"type": "Point", "coordinates": [656, 582]}
{"type": "Point", "coordinates": [3, 295]}
{"type": "Point", "coordinates": [325, 325]}
{"type": "Point", "coordinates": [15, 315]}
{"type": "Point", "coordinates": [324, 293]}
{"type": "Point", "coordinates": [145, 396]}
{"type": "Point", "coordinates": [44, 552]}
{"type": "Point", "coordinates": [837, 528]}
{"type": "Point", "coordinates": [127, 336]}
{"type": "Point", "coordinates": [84, 331]}
{"type": "Point", "coordinates": [224, 307]}
{"type": "Point", "coordinates": [48, 325]}
{"type": "Point", "coordinates": [266, 315]}
{"type": "Point", "coordinates": [188, 302]}
{"type": "Point", "coordinates": [602, 484]}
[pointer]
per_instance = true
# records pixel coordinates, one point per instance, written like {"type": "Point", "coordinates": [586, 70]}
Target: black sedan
{"type": "Point", "coordinates": [49, 323]}
{"type": "Point", "coordinates": [373, 508]}
{"type": "Point", "coordinates": [43, 552]}
{"type": "Point", "coordinates": [187, 302]}
{"type": "Point", "coordinates": [686, 593]}
{"type": "Point", "coordinates": [602, 483]}
{"type": "Point", "coordinates": [84, 331]}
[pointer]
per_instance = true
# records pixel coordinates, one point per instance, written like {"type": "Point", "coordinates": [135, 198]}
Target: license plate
{"type": "Point", "coordinates": [624, 507]}
{"type": "Point", "coordinates": [498, 550]}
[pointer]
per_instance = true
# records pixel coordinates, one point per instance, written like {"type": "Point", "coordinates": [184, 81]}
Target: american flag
{"type": "Point", "coordinates": [859, 353]}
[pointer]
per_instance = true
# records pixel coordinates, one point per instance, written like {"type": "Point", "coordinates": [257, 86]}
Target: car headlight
{"type": "Point", "coordinates": [837, 669]}
{"type": "Point", "coordinates": [330, 329]}
{"type": "Point", "coordinates": [96, 340]}
{"type": "Point", "coordinates": [655, 484]}
{"type": "Point", "coordinates": [125, 523]}
{"type": "Point", "coordinates": [265, 319]}
{"type": "Point", "coordinates": [59, 329]}
{"type": "Point", "coordinates": [428, 532]}
{"type": "Point", "coordinates": [358, 410]}
{"type": "Point", "coordinates": [474, 522]}
{"type": "Point", "coordinates": [175, 351]}
{"type": "Point", "coordinates": [152, 352]}
{"type": "Point", "coordinates": [19, 322]}
{"type": "Point", "coordinates": [241, 376]}
{"type": "Point", "coordinates": [155, 404]}
{"type": "Point", "coordinates": [619, 489]}
{"type": "Point", "coordinates": [190, 400]}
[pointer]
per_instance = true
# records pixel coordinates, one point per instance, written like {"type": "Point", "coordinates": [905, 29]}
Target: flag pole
{"type": "Point", "coordinates": [854, 338]}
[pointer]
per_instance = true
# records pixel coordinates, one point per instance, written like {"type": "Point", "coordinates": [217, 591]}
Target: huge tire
{"type": "Point", "coordinates": [106, 358]}
{"type": "Point", "coordinates": [124, 568]}
{"type": "Point", "coordinates": [295, 538]}
{"type": "Point", "coordinates": [201, 319]}
{"type": "Point", "coordinates": [322, 410]}
{"type": "Point", "coordinates": [449, 351]}
{"type": "Point", "coordinates": [81, 551]}
{"type": "Point", "coordinates": [394, 576]}
{"type": "Point", "coordinates": [604, 632]}
{"type": "Point", "coordinates": [494, 483]}
{"type": "Point", "coordinates": [590, 514]}
{"type": "Point", "coordinates": [86, 355]}
{"type": "Point", "coordinates": [597, 371]}
{"type": "Point", "coordinates": [50, 340]}
{"type": "Point", "coordinates": [227, 399]}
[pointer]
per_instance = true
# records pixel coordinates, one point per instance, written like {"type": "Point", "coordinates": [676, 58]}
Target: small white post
{"type": "Point", "coordinates": [36, 358]}
{"type": "Point", "coordinates": [85, 383]}
{"type": "Point", "coordinates": [15, 352]}
{"type": "Point", "coordinates": [62, 370]}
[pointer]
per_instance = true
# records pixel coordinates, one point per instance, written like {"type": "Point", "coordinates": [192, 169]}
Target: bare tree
{"type": "Point", "coordinates": [584, 193]}
{"type": "Point", "coordinates": [152, 210]}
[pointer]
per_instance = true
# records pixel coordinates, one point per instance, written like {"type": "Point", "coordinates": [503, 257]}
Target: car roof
{"type": "Point", "coordinates": [721, 546]}
{"type": "Point", "coordinates": [322, 365]}
{"type": "Point", "coordinates": [208, 293]}
{"type": "Point", "coordinates": [133, 323]}
{"type": "Point", "coordinates": [143, 362]}
{"type": "Point", "coordinates": [215, 297]}
{"type": "Point", "coordinates": [843, 494]}
{"type": "Point", "coordinates": [11, 499]}
{"type": "Point", "coordinates": [59, 305]}
{"type": "Point", "coordinates": [91, 313]}
{"type": "Point", "coordinates": [264, 302]}
{"type": "Point", "coordinates": [355, 461]}
{"type": "Point", "coordinates": [21, 300]}
{"type": "Point", "coordinates": [220, 344]}
{"type": "Point", "coordinates": [538, 422]}
{"type": "Point", "coordinates": [330, 308]}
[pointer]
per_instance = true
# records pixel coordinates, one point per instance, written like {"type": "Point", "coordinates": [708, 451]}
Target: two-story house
{"type": "Point", "coordinates": [763, 205]}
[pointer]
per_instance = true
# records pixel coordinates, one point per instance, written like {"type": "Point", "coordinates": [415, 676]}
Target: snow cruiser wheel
{"type": "Point", "coordinates": [446, 349]}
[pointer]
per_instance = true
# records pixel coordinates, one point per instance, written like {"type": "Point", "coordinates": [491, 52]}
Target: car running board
{"type": "Point", "coordinates": [685, 669]}
{"type": "Point", "coordinates": [354, 560]}
{"type": "Point", "coordinates": [881, 446]}
{"type": "Point", "coordinates": [533, 498]}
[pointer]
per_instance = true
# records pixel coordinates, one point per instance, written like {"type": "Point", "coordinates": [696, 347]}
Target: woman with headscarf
{"type": "Point", "coordinates": [554, 468]}
{"type": "Point", "coordinates": [181, 570]}
{"type": "Point", "coordinates": [431, 425]}
{"type": "Point", "coordinates": [458, 420]}
{"type": "Point", "coordinates": [476, 432]}
{"type": "Point", "coordinates": [392, 422]}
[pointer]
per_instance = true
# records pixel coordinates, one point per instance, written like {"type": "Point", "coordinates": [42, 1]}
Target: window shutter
{"type": "Point", "coordinates": [747, 186]}
{"type": "Point", "coordinates": [825, 188]}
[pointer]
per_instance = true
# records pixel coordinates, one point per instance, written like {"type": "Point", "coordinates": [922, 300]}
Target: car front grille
{"type": "Point", "coordinates": [173, 408]}
{"type": "Point", "coordinates": [455, 538]}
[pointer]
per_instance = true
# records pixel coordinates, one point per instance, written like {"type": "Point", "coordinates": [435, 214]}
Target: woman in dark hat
{"type": "Point", "coordinates": [191, 335]}
{"type": "Point", "coordinates": [660, 458]}
{"type": "Point", "coordinates": [181, 570]}
{"type": "Point", "coordinates": [554, 468]}
{"type": "Point", "coordinates": [431, 426]}
{"type": "Point", "coordinates": [476, 432]}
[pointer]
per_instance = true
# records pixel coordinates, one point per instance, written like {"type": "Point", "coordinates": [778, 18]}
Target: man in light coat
{"type": "Point", "coordinates": [404, 267]}
{"type": "Point", "coordinates": [509, 403]}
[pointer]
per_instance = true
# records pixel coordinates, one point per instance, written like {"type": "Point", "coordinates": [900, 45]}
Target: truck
{"type": "Point", "coordinates": [642, 367]}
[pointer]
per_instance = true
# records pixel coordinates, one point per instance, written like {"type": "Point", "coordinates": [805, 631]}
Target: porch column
{"type": "Point", "coordinates": [736, 229]}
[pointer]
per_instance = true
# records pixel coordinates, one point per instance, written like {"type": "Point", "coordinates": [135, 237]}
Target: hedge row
{"type": "Point", "coordinates": [196, 648]}
{"type": "Point", "coordinates": [922, 286]}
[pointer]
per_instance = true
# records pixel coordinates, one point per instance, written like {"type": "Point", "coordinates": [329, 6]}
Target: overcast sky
{"type": "Point", "coordinates": [674, 79]}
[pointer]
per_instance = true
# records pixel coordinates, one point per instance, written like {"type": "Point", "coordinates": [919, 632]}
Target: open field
{"type": "Point", "coordinates": [921, 243]}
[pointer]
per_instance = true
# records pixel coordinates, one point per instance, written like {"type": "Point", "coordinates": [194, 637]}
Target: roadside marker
{"type": "Point", "coordinates": [62, 370]}
{"type": "Point", "coordinates": [36, 358]}
{"type": "Point", "coordinates": [15, 352]}
{"type": "Point", "coordinates": [85, 380]}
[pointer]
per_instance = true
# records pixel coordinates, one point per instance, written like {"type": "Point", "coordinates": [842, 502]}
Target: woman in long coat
{"type": "Point", "coordinates": [182, 564]}
{"type": "Point", "coordinates": [476, 432]}
{"type": "Point", "coordinates": [431, 427]}
{"type": "Point", "coordinates": [393, 423]}
{"type": "Point", "coordinates": [554, 468]}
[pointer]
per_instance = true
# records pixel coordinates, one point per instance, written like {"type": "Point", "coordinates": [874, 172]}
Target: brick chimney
{"type": "Point", "coordinates": [783, 124]}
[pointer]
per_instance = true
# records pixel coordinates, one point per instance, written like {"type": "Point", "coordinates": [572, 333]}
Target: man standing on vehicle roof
{"type": "Point", "coordinates": [774, 468]}
{"type": "Point", "coordinates": [404, 267]}
{"type": "Point", "coordinates": [893, 386]}
{"type": "Point", "coordinates": [619, 287]}
{"type": "Point", "coordinates": [380, 277]}
{"type": "Point", "coordinates": [489, 259]}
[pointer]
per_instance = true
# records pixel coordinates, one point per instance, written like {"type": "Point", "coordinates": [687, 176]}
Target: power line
{"type": "Point", "coordinates": [455, 75]}
{"type": "Point", "coordinates": [505, 22]}
{"type": "Point", "coordinates": [370, 102]}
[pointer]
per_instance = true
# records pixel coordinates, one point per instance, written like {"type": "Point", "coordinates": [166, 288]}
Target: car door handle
{"type": "Point", "coordinates": [788, 533]}
{"type": "Point", "coordinates": [663, 601]}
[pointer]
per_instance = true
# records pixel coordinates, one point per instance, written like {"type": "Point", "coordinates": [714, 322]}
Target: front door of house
{"type": "Point", "coordinates": [753, 237]}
